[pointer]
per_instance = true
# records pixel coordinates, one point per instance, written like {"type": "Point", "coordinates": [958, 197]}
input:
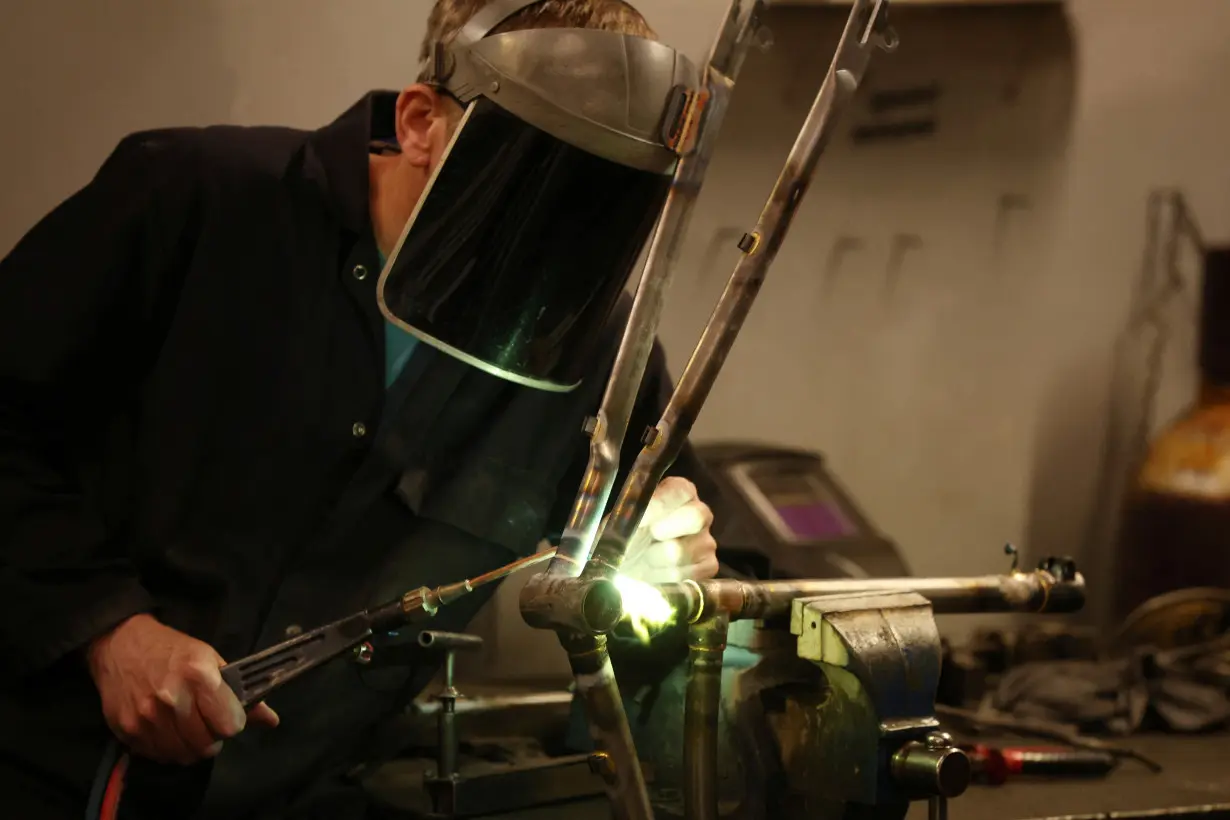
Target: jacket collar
{"type": "Point", "coordinates": [340, 151]}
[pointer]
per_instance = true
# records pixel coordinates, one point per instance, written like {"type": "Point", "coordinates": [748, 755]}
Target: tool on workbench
{"type": "Point", "coordinates": [995, 766]}
{"type": "Point", "coordinates": [980, 720]}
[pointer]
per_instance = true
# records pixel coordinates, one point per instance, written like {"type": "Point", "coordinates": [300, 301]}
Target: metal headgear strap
{"type": "Point", "coordinates": [488, 17]}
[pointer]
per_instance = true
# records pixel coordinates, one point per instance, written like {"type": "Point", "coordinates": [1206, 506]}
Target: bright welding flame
{"type": "Point", "coordinates": [645, 608]}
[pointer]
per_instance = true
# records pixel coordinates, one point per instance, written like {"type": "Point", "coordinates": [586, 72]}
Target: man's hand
{"type": "Point", "coordinates": [673, 542]}
{"type": "Point", "coordinates": [163, 694]}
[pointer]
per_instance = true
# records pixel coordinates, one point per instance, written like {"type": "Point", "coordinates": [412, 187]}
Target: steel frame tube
{"type": "Point", "coordinates": [446, 765]}
{"type": "Point", "coordinates": [572, 605]}
{"type": "Point", "coordinates": [865, 30]}
{"type": "Point", "coordinates": [615, 761]}
{"type": "Point", "coordinates": [701, 717]}
{"type": "Point", "coordinates": [611, 424]}
{"type": "Point", "coordinates": [1034, 592]}
{"type": "Point", "coordinates": [587, 654]}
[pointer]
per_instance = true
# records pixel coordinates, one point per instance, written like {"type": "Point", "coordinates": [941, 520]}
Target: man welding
{"type": "Point", "coordinates": [220, 424]}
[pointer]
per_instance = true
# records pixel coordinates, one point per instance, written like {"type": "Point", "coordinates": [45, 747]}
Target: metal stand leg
{"type": "Point", "coordinates": [937, 808]}
{"type": "Point", "coordinates": [446, 754]}
{"type": "Point", "coordinates": [443, 787]}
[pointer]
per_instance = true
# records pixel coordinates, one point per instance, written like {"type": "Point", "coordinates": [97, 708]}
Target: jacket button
{"type": "Point", "coordinates": [359, 430]}
{"type": "Point", "coordinates": [359, 272]}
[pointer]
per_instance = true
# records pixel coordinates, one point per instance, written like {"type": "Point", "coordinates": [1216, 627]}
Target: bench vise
{"type": "Point", "coordinates": [869, 743]}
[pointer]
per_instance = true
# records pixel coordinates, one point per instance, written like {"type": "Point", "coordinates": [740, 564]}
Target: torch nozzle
{"type": "Point", "coordinates": [424, 602]}
{"type": "Point", "coordinates": [509, 569]}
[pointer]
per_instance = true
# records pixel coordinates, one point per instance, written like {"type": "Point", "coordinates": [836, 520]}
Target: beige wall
{"type": "Point", "coordinates": [77, 75]}
{"type": "Point", "coordinates": [966, 407]}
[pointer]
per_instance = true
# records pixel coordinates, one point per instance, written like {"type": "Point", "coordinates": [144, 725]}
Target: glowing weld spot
{"type": "Point", "coordinates": [645, 608]}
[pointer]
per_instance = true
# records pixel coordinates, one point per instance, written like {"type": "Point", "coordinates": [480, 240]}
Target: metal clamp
{"type": "Point", "coordinates": [684, 118]}
{"type": "Point", "coordinates": [881, 656]}
{"type": "Point", "coordinates": [933, 767]}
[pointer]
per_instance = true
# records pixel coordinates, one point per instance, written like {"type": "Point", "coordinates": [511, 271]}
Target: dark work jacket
{"type": "Point", "coordinates": [194, 423]}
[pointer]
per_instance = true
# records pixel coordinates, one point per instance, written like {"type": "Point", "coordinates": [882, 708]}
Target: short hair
{"type": "Point", "coordinates": [448, 17]}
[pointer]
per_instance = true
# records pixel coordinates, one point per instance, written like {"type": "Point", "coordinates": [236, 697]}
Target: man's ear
{"type": "Point", "coordinates": [424, 124]}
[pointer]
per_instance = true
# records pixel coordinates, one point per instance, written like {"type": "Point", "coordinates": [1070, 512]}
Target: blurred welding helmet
{"type": "Point", "coordinates": [527, 232]}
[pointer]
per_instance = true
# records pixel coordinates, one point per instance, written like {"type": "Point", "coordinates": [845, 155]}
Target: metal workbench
{"type": "Point", "coordinates": [1197, 774]}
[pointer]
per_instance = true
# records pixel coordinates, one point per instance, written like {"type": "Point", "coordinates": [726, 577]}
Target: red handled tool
{"type": "Point", "coordinates": [995, 766]}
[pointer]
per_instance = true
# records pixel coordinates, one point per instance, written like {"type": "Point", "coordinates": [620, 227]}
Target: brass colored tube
{"type": "Point", "coordinates": [702, 710]}
{"type": "Point", "coordinates": [615, 760]}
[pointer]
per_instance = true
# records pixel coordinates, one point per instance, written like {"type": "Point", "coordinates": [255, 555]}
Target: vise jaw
{"type": "Point", "coordinates": [870, 743]}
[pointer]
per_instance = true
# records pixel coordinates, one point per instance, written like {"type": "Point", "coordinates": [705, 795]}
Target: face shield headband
{"type": "Point", "coordinates": [520, 246]}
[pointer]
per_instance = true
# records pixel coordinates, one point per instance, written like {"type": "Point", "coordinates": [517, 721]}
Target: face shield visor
{"type": "Point", "coordinates": [527, 232]}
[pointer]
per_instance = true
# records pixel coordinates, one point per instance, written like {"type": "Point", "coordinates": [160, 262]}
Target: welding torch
{"type": "Point", "coordinates": [254, 677]}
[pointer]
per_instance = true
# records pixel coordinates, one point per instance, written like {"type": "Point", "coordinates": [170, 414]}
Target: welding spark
{"type": "Point", "coordinates": [645, 608]}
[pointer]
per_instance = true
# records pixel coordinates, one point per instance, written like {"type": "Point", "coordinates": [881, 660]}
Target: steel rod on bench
{"type": "Point", "coordinates": [1040, 591]}
{"type": "Point", "coordinates": [1055, 587]}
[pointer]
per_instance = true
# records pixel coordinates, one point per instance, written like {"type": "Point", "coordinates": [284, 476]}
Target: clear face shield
{"type": "Point", "coordinates": [527, 232]}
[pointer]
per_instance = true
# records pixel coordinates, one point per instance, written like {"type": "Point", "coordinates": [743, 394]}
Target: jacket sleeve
{"type": "Point", "coordinates": [82, 298]}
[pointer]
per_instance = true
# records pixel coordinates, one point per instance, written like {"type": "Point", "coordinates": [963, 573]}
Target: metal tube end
{"type": "Point", "coordinates": [429, 639]}
{"type": "Point", "coordinates": [592, 606]}
{"type": "Point", "coordinates": [933, 766]}
{"type": "Point", "coordinates": [451, 592]}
